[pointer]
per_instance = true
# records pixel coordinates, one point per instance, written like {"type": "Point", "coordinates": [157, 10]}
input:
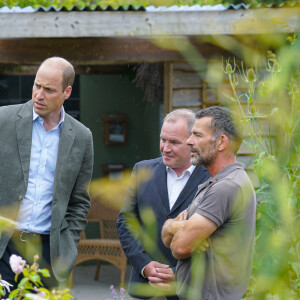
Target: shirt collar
{"type": "Point", "coordinates": [226, 170]}
{"type": "Point", "coordinates": [188, 170]}
{"type": "Point", "coordinates": [62, 116]}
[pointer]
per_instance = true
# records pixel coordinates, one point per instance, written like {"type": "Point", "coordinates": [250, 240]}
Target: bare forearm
{"type": "Point", "coordinates": [178, 251]}
{"type": "Point", "coordinates": [170, 228]}
{"type": "Point", "coordinates": [192, 236]}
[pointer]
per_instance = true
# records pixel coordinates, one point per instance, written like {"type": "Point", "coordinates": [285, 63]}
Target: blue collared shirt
{"type": "Point", "coordinates": [35, 209]}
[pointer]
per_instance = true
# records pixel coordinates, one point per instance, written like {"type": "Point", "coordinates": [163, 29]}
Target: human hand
{"type": "Point", "coordinates": [158, 273]}
{"type": "Point", "coordinates": [175, 226]}
{"type": "Point", "coordinates": [182, 216]}
{"type": "Point", "coordinates": [177, 223]}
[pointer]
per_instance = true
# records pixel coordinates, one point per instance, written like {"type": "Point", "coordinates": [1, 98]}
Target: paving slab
{"type": "Point", "coordinates": [86, 288]}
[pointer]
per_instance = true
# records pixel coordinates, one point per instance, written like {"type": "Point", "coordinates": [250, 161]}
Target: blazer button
{"type": "Point", "coordinates": [162, 259]}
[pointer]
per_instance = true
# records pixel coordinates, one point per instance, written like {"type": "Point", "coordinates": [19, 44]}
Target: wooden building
{"type": "Point", "coordinates": [105, 44]}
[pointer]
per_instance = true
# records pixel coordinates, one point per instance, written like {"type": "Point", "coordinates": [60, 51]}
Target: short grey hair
{"type": "Point", "coordinates": [184, 114]}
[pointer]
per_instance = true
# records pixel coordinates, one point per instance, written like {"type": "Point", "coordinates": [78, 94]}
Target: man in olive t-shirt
{"type": "Point", "coordinates": [223, 212]}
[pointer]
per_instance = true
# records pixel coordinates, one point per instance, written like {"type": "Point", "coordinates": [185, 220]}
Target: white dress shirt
{"type": "Point", "coordinates": [176, 184]}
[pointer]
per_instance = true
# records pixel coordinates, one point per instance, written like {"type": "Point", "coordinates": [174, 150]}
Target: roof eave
{"type": "Point", "coordinates": [140, 24]}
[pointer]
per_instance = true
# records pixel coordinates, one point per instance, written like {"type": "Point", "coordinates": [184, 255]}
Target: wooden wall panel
{"type": "Point", "coordinates": [186, 97]}
{"type": "Point", "coordinates": [186, 80]}
{"type": "Point", "coordinates": [191, 92]}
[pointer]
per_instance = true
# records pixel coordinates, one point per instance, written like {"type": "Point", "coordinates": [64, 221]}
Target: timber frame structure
{"type": "Point", "coordinates": [95, 41]}
{"type": "Point", "coordinates": [183, 41]}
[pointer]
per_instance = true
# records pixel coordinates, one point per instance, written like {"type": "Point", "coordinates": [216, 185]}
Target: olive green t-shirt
{"type": "Point", "coordinates": [228, 199]}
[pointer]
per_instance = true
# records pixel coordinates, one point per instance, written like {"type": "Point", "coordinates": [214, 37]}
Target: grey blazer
{"type": "Point", "coordinates": [71, 200]}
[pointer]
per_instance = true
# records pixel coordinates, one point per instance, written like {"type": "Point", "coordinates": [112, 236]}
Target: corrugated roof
{"type": "Point", "coordinates": [93, 8]}
{"type": "Point", "coordinates": [219, 7]}
{"type": "Point", "coordinates": [30, 9]}
{"type": "Point", "coordinates": [197, 7]}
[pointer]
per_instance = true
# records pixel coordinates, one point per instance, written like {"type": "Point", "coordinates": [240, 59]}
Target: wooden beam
{"type": "Point", "coordinates": [168, 91]}
{"type": "Point", "coordinates": [79, 70]}
{"type": "Point", "coordinates": [90, 55]}
{"type": "Point", "coordinates": [148, 24]}
{"type": "Point", "coordinates": [103, 51]}
{"type": "Point", "coordinates": [83, 51]}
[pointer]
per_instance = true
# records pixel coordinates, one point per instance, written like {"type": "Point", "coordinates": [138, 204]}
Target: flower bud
{"type": "Point", "coordinates": [251, 77]}
{"type": "Point", "coordinates": [228, 68]}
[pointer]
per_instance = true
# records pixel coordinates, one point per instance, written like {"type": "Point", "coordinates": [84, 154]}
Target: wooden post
{"type": "Point", "coordinates": [168, 93]}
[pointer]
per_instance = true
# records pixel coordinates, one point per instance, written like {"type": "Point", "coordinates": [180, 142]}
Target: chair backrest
{"type": "Point", "coordinates": [106, 217]}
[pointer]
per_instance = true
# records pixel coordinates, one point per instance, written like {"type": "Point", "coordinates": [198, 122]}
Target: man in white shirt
{"type": "Point", "coordinates": [169, 191]}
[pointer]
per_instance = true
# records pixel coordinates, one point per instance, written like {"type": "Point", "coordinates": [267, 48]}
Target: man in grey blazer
{"type": "Point", "coordinates": [46, 162]}
{"type": "Point", "coordinates": [170, 190]}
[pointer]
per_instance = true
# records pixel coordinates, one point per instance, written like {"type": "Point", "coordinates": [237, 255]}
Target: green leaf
{"type": "Point", "coordinates": [6, 224]}
{"type": "Point", "coordinates": [26, 272]}
{"type": "Point", "coordinates": [249, 99]}
{"type": "Point", "coordinates": [44, 272]}
{"type": "Point", "coordinates": [29, 285]}
{"type": "Point", "coordinates": [39, 283]}
{"type": "Point", "coordinates": [230, 98]}
{"type": "Point", "coordinates": [296, 268]}
{"type": "Point", "coordinates": [298, 248]}
{"type": "Point", "coordinates": [14, 293]}
{"type": "Point", "coordinates": [292, 252]}
{"type": "Point", "coordinates": [23, 282]}
{"type": "Point", "coordinates": [35, 277]}
{"type": "Point", "coordinates": [274, 110]}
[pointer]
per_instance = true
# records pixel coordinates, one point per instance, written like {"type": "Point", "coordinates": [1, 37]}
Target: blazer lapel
{"type": "Point", "coordinates": [191, 186]}
{"type": "Point", "coordinates": [24, 124]}
{"type": "Point", "coordinates": [65, 144]}
{"type": "Point", "coordinates": [161, 183]}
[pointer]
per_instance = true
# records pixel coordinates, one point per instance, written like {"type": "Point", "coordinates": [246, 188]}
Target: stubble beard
{"type": "Point", "coordinates": [204, 159]}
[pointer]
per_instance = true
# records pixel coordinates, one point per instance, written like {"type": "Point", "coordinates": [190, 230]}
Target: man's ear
{"type": "Point", "coordinates": [68, 92]}
{"type": "Point", "coordinates": [222, 142]}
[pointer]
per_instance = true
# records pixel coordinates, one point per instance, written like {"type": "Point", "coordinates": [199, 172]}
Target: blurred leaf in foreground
{"type": "Point", "coordinates": [111, 192]}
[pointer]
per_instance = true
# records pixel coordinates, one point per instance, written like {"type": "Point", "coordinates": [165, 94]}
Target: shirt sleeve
{"type": "Point", "coordinates": [217, 202]}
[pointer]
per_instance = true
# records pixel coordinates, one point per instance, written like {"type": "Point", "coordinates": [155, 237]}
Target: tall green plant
{"type": "Point", "coordinates": [270, 111]}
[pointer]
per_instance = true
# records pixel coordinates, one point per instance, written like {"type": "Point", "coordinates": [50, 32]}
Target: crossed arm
{"type": "Point", "coordinates": [186, 236]}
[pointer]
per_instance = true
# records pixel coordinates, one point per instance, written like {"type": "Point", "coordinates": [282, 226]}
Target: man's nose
{"type": "Point", "coordinates": [189, 141]}
{"type": "Point", "coordinates": [167, 147]}
{"type": "Point", "coordinates": [40, 94]}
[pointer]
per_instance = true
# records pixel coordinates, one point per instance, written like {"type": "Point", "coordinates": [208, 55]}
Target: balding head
{"type": "Point", "coordinates": [68, 73]}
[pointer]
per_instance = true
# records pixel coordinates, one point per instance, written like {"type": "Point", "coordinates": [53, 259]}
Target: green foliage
{"type": "Point", "coordinates": [276, 269]}
{"type": "Point", "coordinates": [6, 224]}
{"type": "Point", "coordinates": [31, 286]}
